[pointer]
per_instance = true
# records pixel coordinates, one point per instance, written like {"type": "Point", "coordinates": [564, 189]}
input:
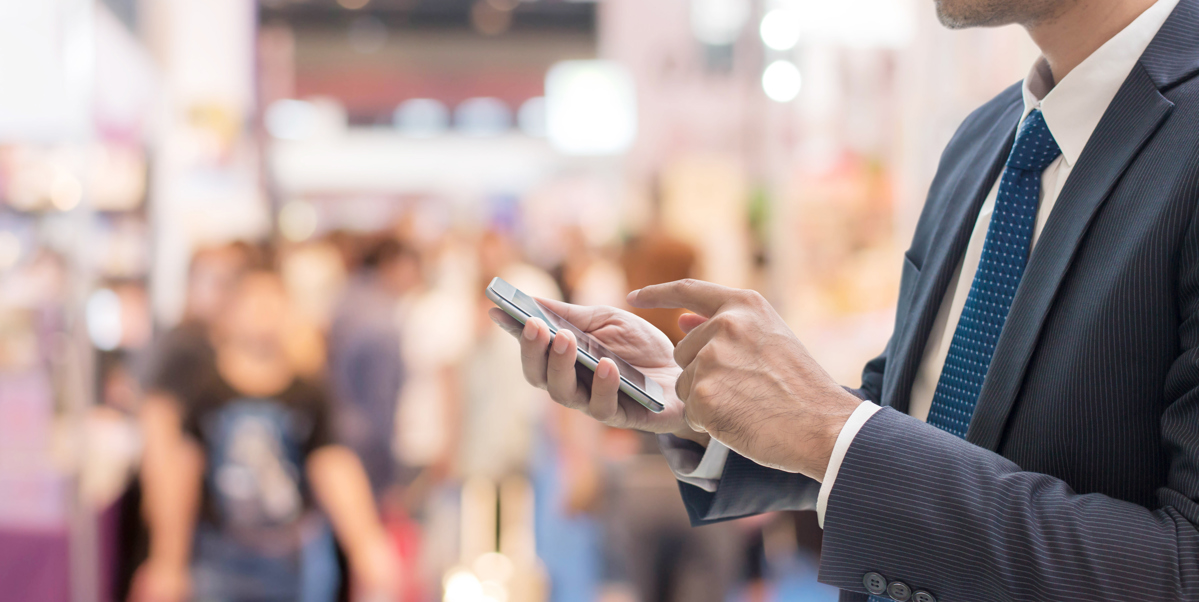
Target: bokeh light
{"type": "Point", "coordinates": [782, 81]}
{"type": "Point", "coordinates": [780, 29]}
{"type": "Point", "coordinates": [104, 319]}
{"type": "Point", "coordinates": [298, 221]}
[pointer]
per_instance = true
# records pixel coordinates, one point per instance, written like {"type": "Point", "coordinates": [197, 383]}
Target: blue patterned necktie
{"type": "Point", "coordinates": [1005, 253]}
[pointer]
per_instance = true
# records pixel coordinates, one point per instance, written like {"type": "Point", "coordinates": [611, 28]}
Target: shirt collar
{"type": "Point", "coordinates": [1074, 106]}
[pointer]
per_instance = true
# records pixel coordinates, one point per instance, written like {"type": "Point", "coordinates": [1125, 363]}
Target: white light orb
{"type": "Point", "coordinates": [782, 81]}
{"type": "Point", "coordinates": [780, 29]}
{"type": "Point", "coordinates": [463, 586]}
{"type": "Point", "coordinates": [103, 314]}
{"type": "Point", "coordinates": [590, 108]}
{"type": "Point", "coordinates": [718, 22]}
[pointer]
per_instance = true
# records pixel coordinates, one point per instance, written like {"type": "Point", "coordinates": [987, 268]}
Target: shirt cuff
{"type": "Point", "coordinates": [692, 464]}
{"type": "Point", "coordinates": [856, 420]}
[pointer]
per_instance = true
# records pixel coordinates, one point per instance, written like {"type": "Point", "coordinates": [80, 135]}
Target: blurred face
{"type": "Point", "coordinates": [960, 14]}
{"type": "Point", "coordinates": [402, 274]}
{"type": "Point", "coordinates": [211, 282]}
{"type": "Point", "coordinates": [257, 314]}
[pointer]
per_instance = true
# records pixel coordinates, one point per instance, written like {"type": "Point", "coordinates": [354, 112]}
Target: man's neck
{"type": "Point", "coordinates": [1069, 37]}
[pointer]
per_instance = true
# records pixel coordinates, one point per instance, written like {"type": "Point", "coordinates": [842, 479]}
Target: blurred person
{"type": "Point", "coordinates": [650, 553]}
{"type": "Point", "coordinates": [501, 421]}
{"type": "Point", "coordinates": [366, 368]}
{"type": "Point", "coordinates": [655, 256]}
{"type": "Point", "coordinates": [257, 461]}
{"type": "Point", "coordinates": [1031, 432]}
{"type": "Point", "coordinates": [586, 275]}
{"type": "Point", "coordinates": [180, 361]}
{"type": "Point", "coordinates": [504, 440]}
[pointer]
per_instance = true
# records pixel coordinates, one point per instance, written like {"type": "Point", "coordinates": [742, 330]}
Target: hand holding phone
{"type": "Point", "coordinates": [550, 357]}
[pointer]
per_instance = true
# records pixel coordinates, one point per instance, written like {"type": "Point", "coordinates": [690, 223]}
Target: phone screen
{"type": "Point", "coordinates": [589, 345]}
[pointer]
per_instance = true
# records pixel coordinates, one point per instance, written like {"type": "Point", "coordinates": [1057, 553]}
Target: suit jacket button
{"type": "Point", "coordinates": [923, 596]}
{"type": "Point", "coordinates": [875, 583]}
{"type": "Point", "coordinates": [899, 591]}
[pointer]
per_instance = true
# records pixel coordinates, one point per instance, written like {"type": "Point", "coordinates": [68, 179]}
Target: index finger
{"type": "Point", "coordinates": [703, 298]}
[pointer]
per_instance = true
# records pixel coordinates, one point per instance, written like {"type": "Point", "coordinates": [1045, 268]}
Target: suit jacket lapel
{"type": "Point", "coordinates": [951, 238]}
{"type": "Point", "coordinates": [1131, 120]}
{"type": "Point", "coordinates": [1173, 55]}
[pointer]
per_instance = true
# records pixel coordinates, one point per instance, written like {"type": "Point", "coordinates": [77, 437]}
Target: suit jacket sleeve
{"type": "Point", "coordinates": [921, 506]}
{"type": "Point", "coordinates": [747, 488]}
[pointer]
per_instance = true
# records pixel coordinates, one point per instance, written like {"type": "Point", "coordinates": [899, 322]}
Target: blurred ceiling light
{"type": "Point", "coordinates": [298, 221]}
{"type": "Point", "coordinates": [10, 250]}
{"type": "Point", "coordinates": [718, 22]}
{"type": "Point", "coordinates": [504, 4]}
{"type": "Point", "coordinates": [367, 35]}
{"type": "Point", "coordinates": [103, 313]}
{"type": "Point", "coordinates": [590, 108]}
{"type": "Point", "coordinates": [780, 29]}
{"type": "Point", "coordinates": [291, 119]}
{"type": "Point", "coordinates": [353, 4]}
{"type": "Point", "coordinates": [531, 117]}
{"type": "Point", "coordinates": [462, 586]}
{"type": "Point", "coordinates": [488, 20]}
{"type": "Point", "coordinates": [421, 117]}
{"type": "Point", "coordinates": [65, 190]}
{"type": "Point", "coordinates": [303, 119]}
{"type": "Point", "coordinates": [482, 117]}
{"type": "Point", "coordinates": [782, 81]}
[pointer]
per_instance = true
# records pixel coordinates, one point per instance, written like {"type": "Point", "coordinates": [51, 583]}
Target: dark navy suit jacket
{"type": "Point", "coordinates": [1079, 477]}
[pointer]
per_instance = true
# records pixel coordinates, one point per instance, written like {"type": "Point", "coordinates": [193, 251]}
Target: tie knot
{"type": "Point", "coordinates": [1035, 147]}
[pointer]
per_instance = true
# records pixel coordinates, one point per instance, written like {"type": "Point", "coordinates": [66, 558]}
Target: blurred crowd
{"type": "Point", "coordinates": [339, 419]}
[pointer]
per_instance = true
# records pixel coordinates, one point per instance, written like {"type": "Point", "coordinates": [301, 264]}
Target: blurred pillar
{"type": "Point", "coordinates": [206, 188]}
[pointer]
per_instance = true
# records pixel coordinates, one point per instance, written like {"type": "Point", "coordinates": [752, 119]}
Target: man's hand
{"type": "Point", "coordinates": [748, 381]}
{"type": "Point", "coordinates": [549, 363]}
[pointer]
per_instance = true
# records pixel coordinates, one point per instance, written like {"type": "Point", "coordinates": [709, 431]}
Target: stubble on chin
{"type": "Point", "coordinates": [963, 14]}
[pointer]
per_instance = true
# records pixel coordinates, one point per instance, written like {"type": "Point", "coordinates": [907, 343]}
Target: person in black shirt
{"type": "Point", "coordinates": [181, 360]}
{"type": "Point", "coordinates": [254, 468]}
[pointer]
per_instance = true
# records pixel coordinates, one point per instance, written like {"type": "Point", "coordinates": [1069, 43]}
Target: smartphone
{"type": "Point", "coordinates": [521, 307]}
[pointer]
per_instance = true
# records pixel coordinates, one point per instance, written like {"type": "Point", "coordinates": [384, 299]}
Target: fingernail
{"type": "Point", "coordinates": [604, 370]}
{"type": "Point", "coordinates": [530, 332]}
{"type": "Point", "coordinates": [560, 344]}
{"type": "Point", "coordinates": [632, 295]}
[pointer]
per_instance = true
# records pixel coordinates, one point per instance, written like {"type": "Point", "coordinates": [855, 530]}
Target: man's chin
{"type": "Point", "coordinates": [964, 14]}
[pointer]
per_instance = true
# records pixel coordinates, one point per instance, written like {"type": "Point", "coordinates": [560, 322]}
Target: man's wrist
{"type": "Point", "coordinates": [829, 431]}
{"type": "Point", "coordinates": [690, 435]}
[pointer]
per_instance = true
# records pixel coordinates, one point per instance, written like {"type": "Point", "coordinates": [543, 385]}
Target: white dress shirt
{"type": "Point", "coordinates": [1072, 109]}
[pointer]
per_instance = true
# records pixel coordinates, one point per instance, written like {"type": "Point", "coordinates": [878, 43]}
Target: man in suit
{"type": "Point", "coordinates": [1031, 431]}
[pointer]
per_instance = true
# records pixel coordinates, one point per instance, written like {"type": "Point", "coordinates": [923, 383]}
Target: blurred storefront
{"type": "Point", "coordinates": [580, 148]}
